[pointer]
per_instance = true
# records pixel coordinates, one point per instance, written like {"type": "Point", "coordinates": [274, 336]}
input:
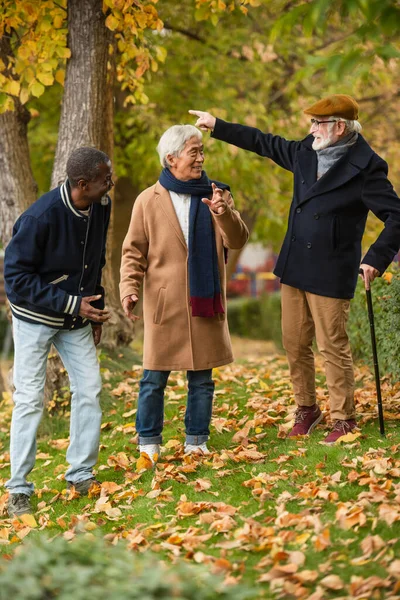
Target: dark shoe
{"type": "Point", "coordinates": [306, 419]}
{"type": "Point", "coordinates": [83, 487]}
{"type": "Point", "coordinates": [19, 504]}
{"type": "Point", "coordinates": [340, 429]}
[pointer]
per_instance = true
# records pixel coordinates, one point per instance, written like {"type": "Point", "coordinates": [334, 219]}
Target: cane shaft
{"type": "Point", "coordinates": [376, 365]}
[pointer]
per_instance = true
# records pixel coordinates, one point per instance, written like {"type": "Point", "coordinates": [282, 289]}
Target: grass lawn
{"type": "Point", "coordinates": [294, 519]}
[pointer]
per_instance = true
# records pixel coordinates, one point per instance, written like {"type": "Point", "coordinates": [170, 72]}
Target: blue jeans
{"type": "Point", "coordinates": [32, 344]}
{"type": "Point", "coordinates": [150, 413]}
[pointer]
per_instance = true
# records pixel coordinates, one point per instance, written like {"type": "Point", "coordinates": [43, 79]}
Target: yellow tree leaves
{"type": "Point", "coordinates": [37, 53]}
{"type": "Point", "coordinates": [37, 48]}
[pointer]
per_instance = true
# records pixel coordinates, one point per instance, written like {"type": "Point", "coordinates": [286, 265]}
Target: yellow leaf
{"type": "Point", "coordinates": [387, 277]}
{"type": "Point", "coordinates": [13, 87]}
{"type": "Point", "coordinates": [45, 25]}
{"type": "Point", "coordinates": [29, 520]}
{"type": "Point", "coordinates": [37, 89]}
{"type": "Point", "coordinates": [161, 53]}
{"type": "Point", "coordinates": [58, 22]}
{"type": "Point", "coordinates": [349, 437]}
{"type": "Point", "coordinates": [45, 78]}
{"type": "Point", "coordinates": [112, 23]}
{"type": "Point", "coordinates": [28, 75]}
{"type": "Point", "coordinates": [63, 52]}
{"type": "Point", "coordinates": [143, 462]}
{"type": "Point", "coordinates": [172, 444]}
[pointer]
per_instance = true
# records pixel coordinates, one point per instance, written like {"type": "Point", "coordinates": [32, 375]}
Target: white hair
{"type": "Point", "coordinates": [350, 126]}
{"type": "Point", "coordinates": [174, 139]}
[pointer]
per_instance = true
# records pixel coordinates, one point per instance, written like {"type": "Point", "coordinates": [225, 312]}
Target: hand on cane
{"type": "Point", "coordinates": [368, 274]}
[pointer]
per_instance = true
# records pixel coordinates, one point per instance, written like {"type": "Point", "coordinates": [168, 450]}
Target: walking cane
{"type": "Point", "coordinates": [375, 355]}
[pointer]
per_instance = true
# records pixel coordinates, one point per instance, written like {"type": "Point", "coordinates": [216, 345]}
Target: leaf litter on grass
{"type": "Point", "coordinates": [297, 519]}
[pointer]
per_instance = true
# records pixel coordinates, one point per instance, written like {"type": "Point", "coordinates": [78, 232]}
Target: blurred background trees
{"type": "Point", "coordinates": [117, 73]}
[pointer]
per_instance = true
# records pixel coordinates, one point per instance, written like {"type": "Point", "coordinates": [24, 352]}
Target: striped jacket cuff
{"type": "Point", "coordinates": [73, 305]}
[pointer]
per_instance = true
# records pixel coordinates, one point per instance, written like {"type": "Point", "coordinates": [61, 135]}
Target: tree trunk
{"type": "Point", "coordinates": [87, 120]}
{"type": "Point", "coordinates": [17, 185]}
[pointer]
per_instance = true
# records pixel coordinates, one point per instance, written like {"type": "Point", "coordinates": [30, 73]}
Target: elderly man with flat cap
{"type": "Point", "coordinates": [338, 179]}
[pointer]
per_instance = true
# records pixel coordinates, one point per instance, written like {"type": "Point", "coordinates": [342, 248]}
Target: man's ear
{"type": "Point", "coordinates": [171, 160]}
{"type": "Point", "coordinates": [82, 184]}
{"type": "Point", "coordinates": [342, 126]}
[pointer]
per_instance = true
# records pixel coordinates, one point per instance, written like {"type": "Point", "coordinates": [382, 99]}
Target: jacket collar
{"type": "Point", "coordinates": [164, 200]}
{"type": "Point", "coordinates": [65, 192]}
{"type": "Point", "coordinates": [345, 169]}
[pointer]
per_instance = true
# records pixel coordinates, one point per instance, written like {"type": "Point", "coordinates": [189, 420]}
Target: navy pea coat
{"type": "Point", "coordinates": [321, 252]}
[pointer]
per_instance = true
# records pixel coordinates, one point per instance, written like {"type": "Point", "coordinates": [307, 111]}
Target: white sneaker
{"type": "Point", "coordinates": [151, 450]}
{"type": "Point", "coordinates": [196, 448]}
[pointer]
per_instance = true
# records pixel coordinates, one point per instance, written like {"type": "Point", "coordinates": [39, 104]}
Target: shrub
{"type": "Point", "coordinates": [91, 569]}
{"type": "Point", "coordinates": [386, 304]}
{"type": "Point", "coordinates": [256, 318]}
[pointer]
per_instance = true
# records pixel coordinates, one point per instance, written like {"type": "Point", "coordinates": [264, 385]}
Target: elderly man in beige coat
{"type": "Point", "coordinates": [180, 230]}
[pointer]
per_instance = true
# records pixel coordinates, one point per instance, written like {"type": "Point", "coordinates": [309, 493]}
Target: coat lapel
{"type": "Point", "coordinates": [165, 203]}
{"type": "Point", "coordinates": [308, 167]}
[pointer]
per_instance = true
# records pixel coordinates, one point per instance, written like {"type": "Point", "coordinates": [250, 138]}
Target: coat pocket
{"type": "Point", "coordinates": [59, 279]}
{"type": "Point", "coordinates": [160, 306]}
{"type": "Point", "coordinates": [335, 232]}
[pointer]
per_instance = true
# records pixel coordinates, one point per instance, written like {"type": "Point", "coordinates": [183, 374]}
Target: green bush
{"type": "Point", "coordinates": [256, 318]}
{"type": "Point", "coordinates": [91, 569]}
{"type": "Point", "coordinates": [386, 304]}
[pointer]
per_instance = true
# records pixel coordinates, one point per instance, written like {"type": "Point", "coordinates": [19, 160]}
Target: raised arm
{"type": "Point", "coordinates": [277, 148]}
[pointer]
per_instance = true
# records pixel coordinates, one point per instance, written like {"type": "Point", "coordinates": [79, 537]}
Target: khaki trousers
{"type": "Point", "coordinates": [305, 316]}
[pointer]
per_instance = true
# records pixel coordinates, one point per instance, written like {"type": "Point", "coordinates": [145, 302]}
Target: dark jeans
{"type": "Point", "coordinates": [150, 413]}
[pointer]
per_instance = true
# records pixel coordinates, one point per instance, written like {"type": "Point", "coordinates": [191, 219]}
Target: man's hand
{"type": "Point", "coordinates": [368, 274]}
{"type": "Point", "coordinates": [97, 330]}
{"type": "Point", "coordinates": [217, 203]}
{"type": "Point", "coordinates": [128, 304]}
{"type": "Point", "coordinates": [205, 121]}
{"type": "Point", "coordinates": [93, 314]}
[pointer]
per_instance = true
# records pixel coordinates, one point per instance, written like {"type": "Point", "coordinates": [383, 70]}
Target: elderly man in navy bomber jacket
{"type": "Point", "coordinates": [338, 178]}
{"type": "Point", "coordinates": [52, 270]}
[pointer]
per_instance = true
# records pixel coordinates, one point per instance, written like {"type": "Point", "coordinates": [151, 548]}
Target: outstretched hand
{"type": "Point", "coordinates": [128, 304]}
{"type": "Point", "coordinates": [205, 121]}
{"type": "Point", "coordinates": [88, 311]}
{"type": "Point", "coordinates": [217, 203]}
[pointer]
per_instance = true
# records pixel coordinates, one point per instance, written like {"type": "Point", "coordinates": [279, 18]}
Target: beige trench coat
{"type": "Point", "coordinates": [154, 250]}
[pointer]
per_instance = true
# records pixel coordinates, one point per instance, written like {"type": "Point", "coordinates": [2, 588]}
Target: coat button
{"type": "Point", "coordinates": [316, 216]}
{"type": "Point", "coordinates": [293, 238]}
{"type": "Point", "coordinates": [298, 210]}
{"type": "Point", "coordinates": [302, 181]}
{"type": "Point", "coordinates": [308, 244]}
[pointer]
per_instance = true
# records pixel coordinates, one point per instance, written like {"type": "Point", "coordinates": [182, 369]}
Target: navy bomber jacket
{"type": "Point", "coordinates": [55, 258]}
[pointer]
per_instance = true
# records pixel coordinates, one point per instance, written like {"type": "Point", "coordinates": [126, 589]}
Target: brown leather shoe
{"type": "Point", "coordinates": [340, 429]}
{"type": "Point", "coordinates": [306, 419]}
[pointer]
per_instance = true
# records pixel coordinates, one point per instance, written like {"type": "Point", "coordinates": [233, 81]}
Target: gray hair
{"type": "Point", "coordinates": [350, 126]}
{"type": "Point", "coordinates": [174, 139]}
{"type": "Point", "coordinates": [84, 163]}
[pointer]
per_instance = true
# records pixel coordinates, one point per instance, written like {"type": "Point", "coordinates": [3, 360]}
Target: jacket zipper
{"type": "Point", "coordinates": [62, 278]}
{"type": "Point", "coordinates": [84, 252]}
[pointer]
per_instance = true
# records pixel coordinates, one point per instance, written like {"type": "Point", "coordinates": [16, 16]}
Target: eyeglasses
{"type": "Point", "coordinates": [318, 123]}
